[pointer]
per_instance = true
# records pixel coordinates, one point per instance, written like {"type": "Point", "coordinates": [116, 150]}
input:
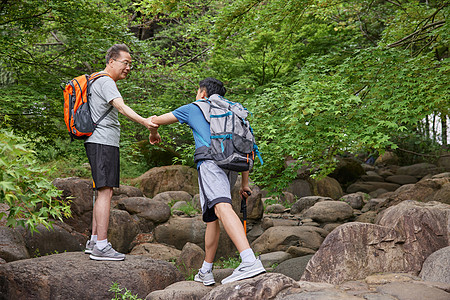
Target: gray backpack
{"type": "Point", "coordinates": [232, 142]}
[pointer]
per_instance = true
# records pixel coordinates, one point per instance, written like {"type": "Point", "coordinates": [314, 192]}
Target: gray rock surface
{"type": "Point", "coordinates": [74, 276]}
{"type": "Point", "coordinates": [436, 267]}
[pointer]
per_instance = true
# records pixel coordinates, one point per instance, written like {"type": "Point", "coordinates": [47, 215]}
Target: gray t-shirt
{"type": "Point", "coordinates": [103, 90]}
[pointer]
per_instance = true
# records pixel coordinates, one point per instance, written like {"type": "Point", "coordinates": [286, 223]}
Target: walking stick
{"type": "Point", "coordinates": [244, 210]}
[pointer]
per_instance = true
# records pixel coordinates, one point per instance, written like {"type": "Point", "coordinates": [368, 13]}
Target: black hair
{"type": "Point", "coordinates": [114, 51]}
{"type": "Point", "coordinates": [213, 86]}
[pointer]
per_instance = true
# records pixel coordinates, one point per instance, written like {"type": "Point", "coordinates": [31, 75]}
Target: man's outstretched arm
{"type": "Point", "coordinates": [165, 119]}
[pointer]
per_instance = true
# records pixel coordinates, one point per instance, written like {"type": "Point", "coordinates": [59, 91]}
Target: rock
{"type": "Point", "coordinates": [436, 267]}
{"type": "Point", "coordinates": [387, 158]}
{"type": "Point", "coordinates": [12, 245]}
{"type": "Point", "coordinates": [405, 235]}
{"type": "Point", "coordinates": [81, 202]}
{"type": "Point", "coordinates": [190, 259]}
{"type": "Point", "coordinates": [196, 202]}
{"type": "Point", "coordinates": [379, 193]}
{"type": "Point", "coordinates": [122, 230]}
{"type": "Point", "coordinates": [328, 294]}
{"type": "Point", "coordinates": [65, 276]}
{"type": "Point", "coordinates": [419, 170]}
{"type": "Point", "coordinates": [331, 226]}
{"type": "Point", "coordinates": [293, 267]}
{"type": "Point", "coordinates": [156, 251]}
{"type": "Point", "coordinates": [178, 231]}
{"type": "Point", "coordinates": [413, 291]}
{"type": "Point", "coordinates": [173, 196]}
{"type": "Point", "coordinates": [51, 241]}
{"type": "Point", "coordinates": [367, 187]}
{"type": "Point", "coordinates": [355, 200]}
{"type": "Point", "coordinates": [280, 238]}
{"type": "Point", "coordinates": [373, 178]}
{"type": "Point", "coordinates": [300, 188]}
{"type": "Point", "coordinates": [287, 197]}
{"type": "Point", "coordinates": [275, 209]}
{"type": "Point", "coordinates": [372, 204]}
{"type": "Point", "coordinates": [329, 187]}
{"type": "Point", "coordinates": [262, 287]}
{"type": "Point", "coordinates": [269, 259]}
{"type": "Point", "coordinates": [347, 171]}
{"type": "Point", "coordinates": [146, 208]}
{"type": "Point", "coordinates": [168, 178]}
{"type": "Point", "coordinates": [183, 290]}
{"type": "Point", "coordinates": [329, 211]}
{"type": "Point", "coordinates": [269, 222]}
{"type": "Point", "coordinates": [307, 202]}
{"type": "Point", "coordinates": [401, 179]}
{"type": "Point", "coordinates": [254, 232]}
{"type": "Point", "coordinates": [443, 194]}
{"type": "Point", "coordinates": [127, 191]}
{"type": "Point", "coordinates": [367, 217]}
{"type": "Point", "coordinates": [179, 205]}
{"type": "Point", "coordinates": [299, 251]}
{"type": "Point", "coordinates": [423, 191]}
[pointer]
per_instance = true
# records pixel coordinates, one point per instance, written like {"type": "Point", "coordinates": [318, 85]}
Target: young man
{"type": "Point", "coordinates": [102, 147]}
{"type": "Point", "coordinates": [215, 190]}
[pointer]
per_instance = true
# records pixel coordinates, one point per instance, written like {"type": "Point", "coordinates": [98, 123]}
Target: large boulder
{"type": "Point", "coordinates": [122, 230]}
{"type": "Point", "coordinates": [190, 259]}
{"type": "Point", "coordinates": [329, 211]}
{"type": "Point", "coordinates": [168, 178]}
{"type": "Point", "coordinates": [81, 193]}
{"type": "Point", "coordinates": [280, 238]}
{"type": "Point", "coordinates": [12, 245]}
{"type": "Point", "coordinates": [444, 161]}
{"type": "Point", "coordinates": [300, 188]}
{"type": "Point", "coordinates": [50, 241]}
{"type": "Point", "coordinates": [146, 208]}
{"type": "Point", "coordinates": [400, 241]}
{"type": "Point", "coordinates": [329, 187]}
{"type": "Point", "coordinates": [436, 267]}
{"type": "Point", "coordinates": [182, 290]}
{"type": "Point", "coordinates": [178, 231]}
{"type": "Point", "coordinates": [419, 170]}
{"type": "Point", "coordinates": [74, 276]}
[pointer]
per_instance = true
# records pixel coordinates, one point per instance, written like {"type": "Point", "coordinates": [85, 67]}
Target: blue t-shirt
{"type": "Point", "coordinates": [193, 116]}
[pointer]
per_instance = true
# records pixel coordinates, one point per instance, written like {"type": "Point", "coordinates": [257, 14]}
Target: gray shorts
{"type": "Point", "coordinates": [215, 187]}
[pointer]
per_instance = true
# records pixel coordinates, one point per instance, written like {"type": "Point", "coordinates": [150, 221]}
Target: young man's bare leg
{"type": "Point", "coordinates": [212, 235]}
{"type": "Point", "coordinates": [232, 225]}
{"type": "Point", "coordinates": [250, 266]}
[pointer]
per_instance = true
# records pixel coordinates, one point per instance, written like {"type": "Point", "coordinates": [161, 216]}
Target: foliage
{"type": "Point", "coordinates": [122, 293]}
{"type": "Point", "coordinates": [31, 198]}
{"type": "Point", "coordinates": [228, 263]}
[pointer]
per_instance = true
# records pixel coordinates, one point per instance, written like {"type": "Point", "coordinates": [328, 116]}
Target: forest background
{"type": "Point", "coordinates": [322, 78]}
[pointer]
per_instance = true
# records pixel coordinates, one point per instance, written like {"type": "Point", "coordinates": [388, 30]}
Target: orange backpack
{"type": "Point", "coordinates": [77, 113]}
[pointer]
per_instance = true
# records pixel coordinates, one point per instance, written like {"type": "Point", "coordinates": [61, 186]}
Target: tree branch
{"type": "Point", "coordinates": [194, 57]}
{"type": "Point", "coordinates": [401, 41]}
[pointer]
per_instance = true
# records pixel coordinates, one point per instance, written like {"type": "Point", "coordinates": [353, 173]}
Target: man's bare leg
{"type": "Point", "coordinates": [102, 206]}
{"type": "Point", "coordinates": [232, 225]}
{"type": "Point", "coordinates": [212, 234]}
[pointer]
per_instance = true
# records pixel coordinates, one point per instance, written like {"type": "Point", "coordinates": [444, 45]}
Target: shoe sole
{"type": "Point", "coordinates": [207, 283]}
{"type": "Point", "coordinates": [88, 251]}
{"type": "Point", "coordinates": [105, 258]}
{"type": "Point", "coordinates": [246, 275]}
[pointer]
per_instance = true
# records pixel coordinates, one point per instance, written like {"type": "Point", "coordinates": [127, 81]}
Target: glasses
{"type": "Point", "coordinates": [128, 64]}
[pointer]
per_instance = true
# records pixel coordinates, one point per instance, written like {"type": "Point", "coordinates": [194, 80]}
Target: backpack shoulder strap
{"type": "Point", "coordinates": [92, 78]}
{"type": "Point", "coordinates": [205, 107]}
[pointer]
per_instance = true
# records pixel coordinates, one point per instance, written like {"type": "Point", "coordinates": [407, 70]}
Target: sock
{"type": "Point", "coordinates": [206, 267]}
{"type": "Point", "coordinates": [102, 244]}
{"type": "Point", "coordinates": [248, 256]}
{"type": "Point", "coordinates": [94, 238]}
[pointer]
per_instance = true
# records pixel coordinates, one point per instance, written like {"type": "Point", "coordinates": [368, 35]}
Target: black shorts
{"type": "Point", "coordinates": [105, 164]}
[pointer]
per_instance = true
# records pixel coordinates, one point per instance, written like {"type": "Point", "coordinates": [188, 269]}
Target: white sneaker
{"type": "Point", "coordinates": [207, 278]}
{"type": "Point", "coordinates": [89, 247]}
{"type": "Point", "coordinates": [245, 271]}
{"type": "Point", "coordinates": [107, 253]}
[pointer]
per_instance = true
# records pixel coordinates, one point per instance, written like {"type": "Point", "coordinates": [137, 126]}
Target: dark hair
{"type": "Point", "coordinates": [114, 51]}
{"type": "Point", "coordinates": [212, 86]}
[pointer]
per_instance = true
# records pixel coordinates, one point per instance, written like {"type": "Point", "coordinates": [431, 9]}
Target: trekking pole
{"type": "Point", "coordinates": [244, 210]}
